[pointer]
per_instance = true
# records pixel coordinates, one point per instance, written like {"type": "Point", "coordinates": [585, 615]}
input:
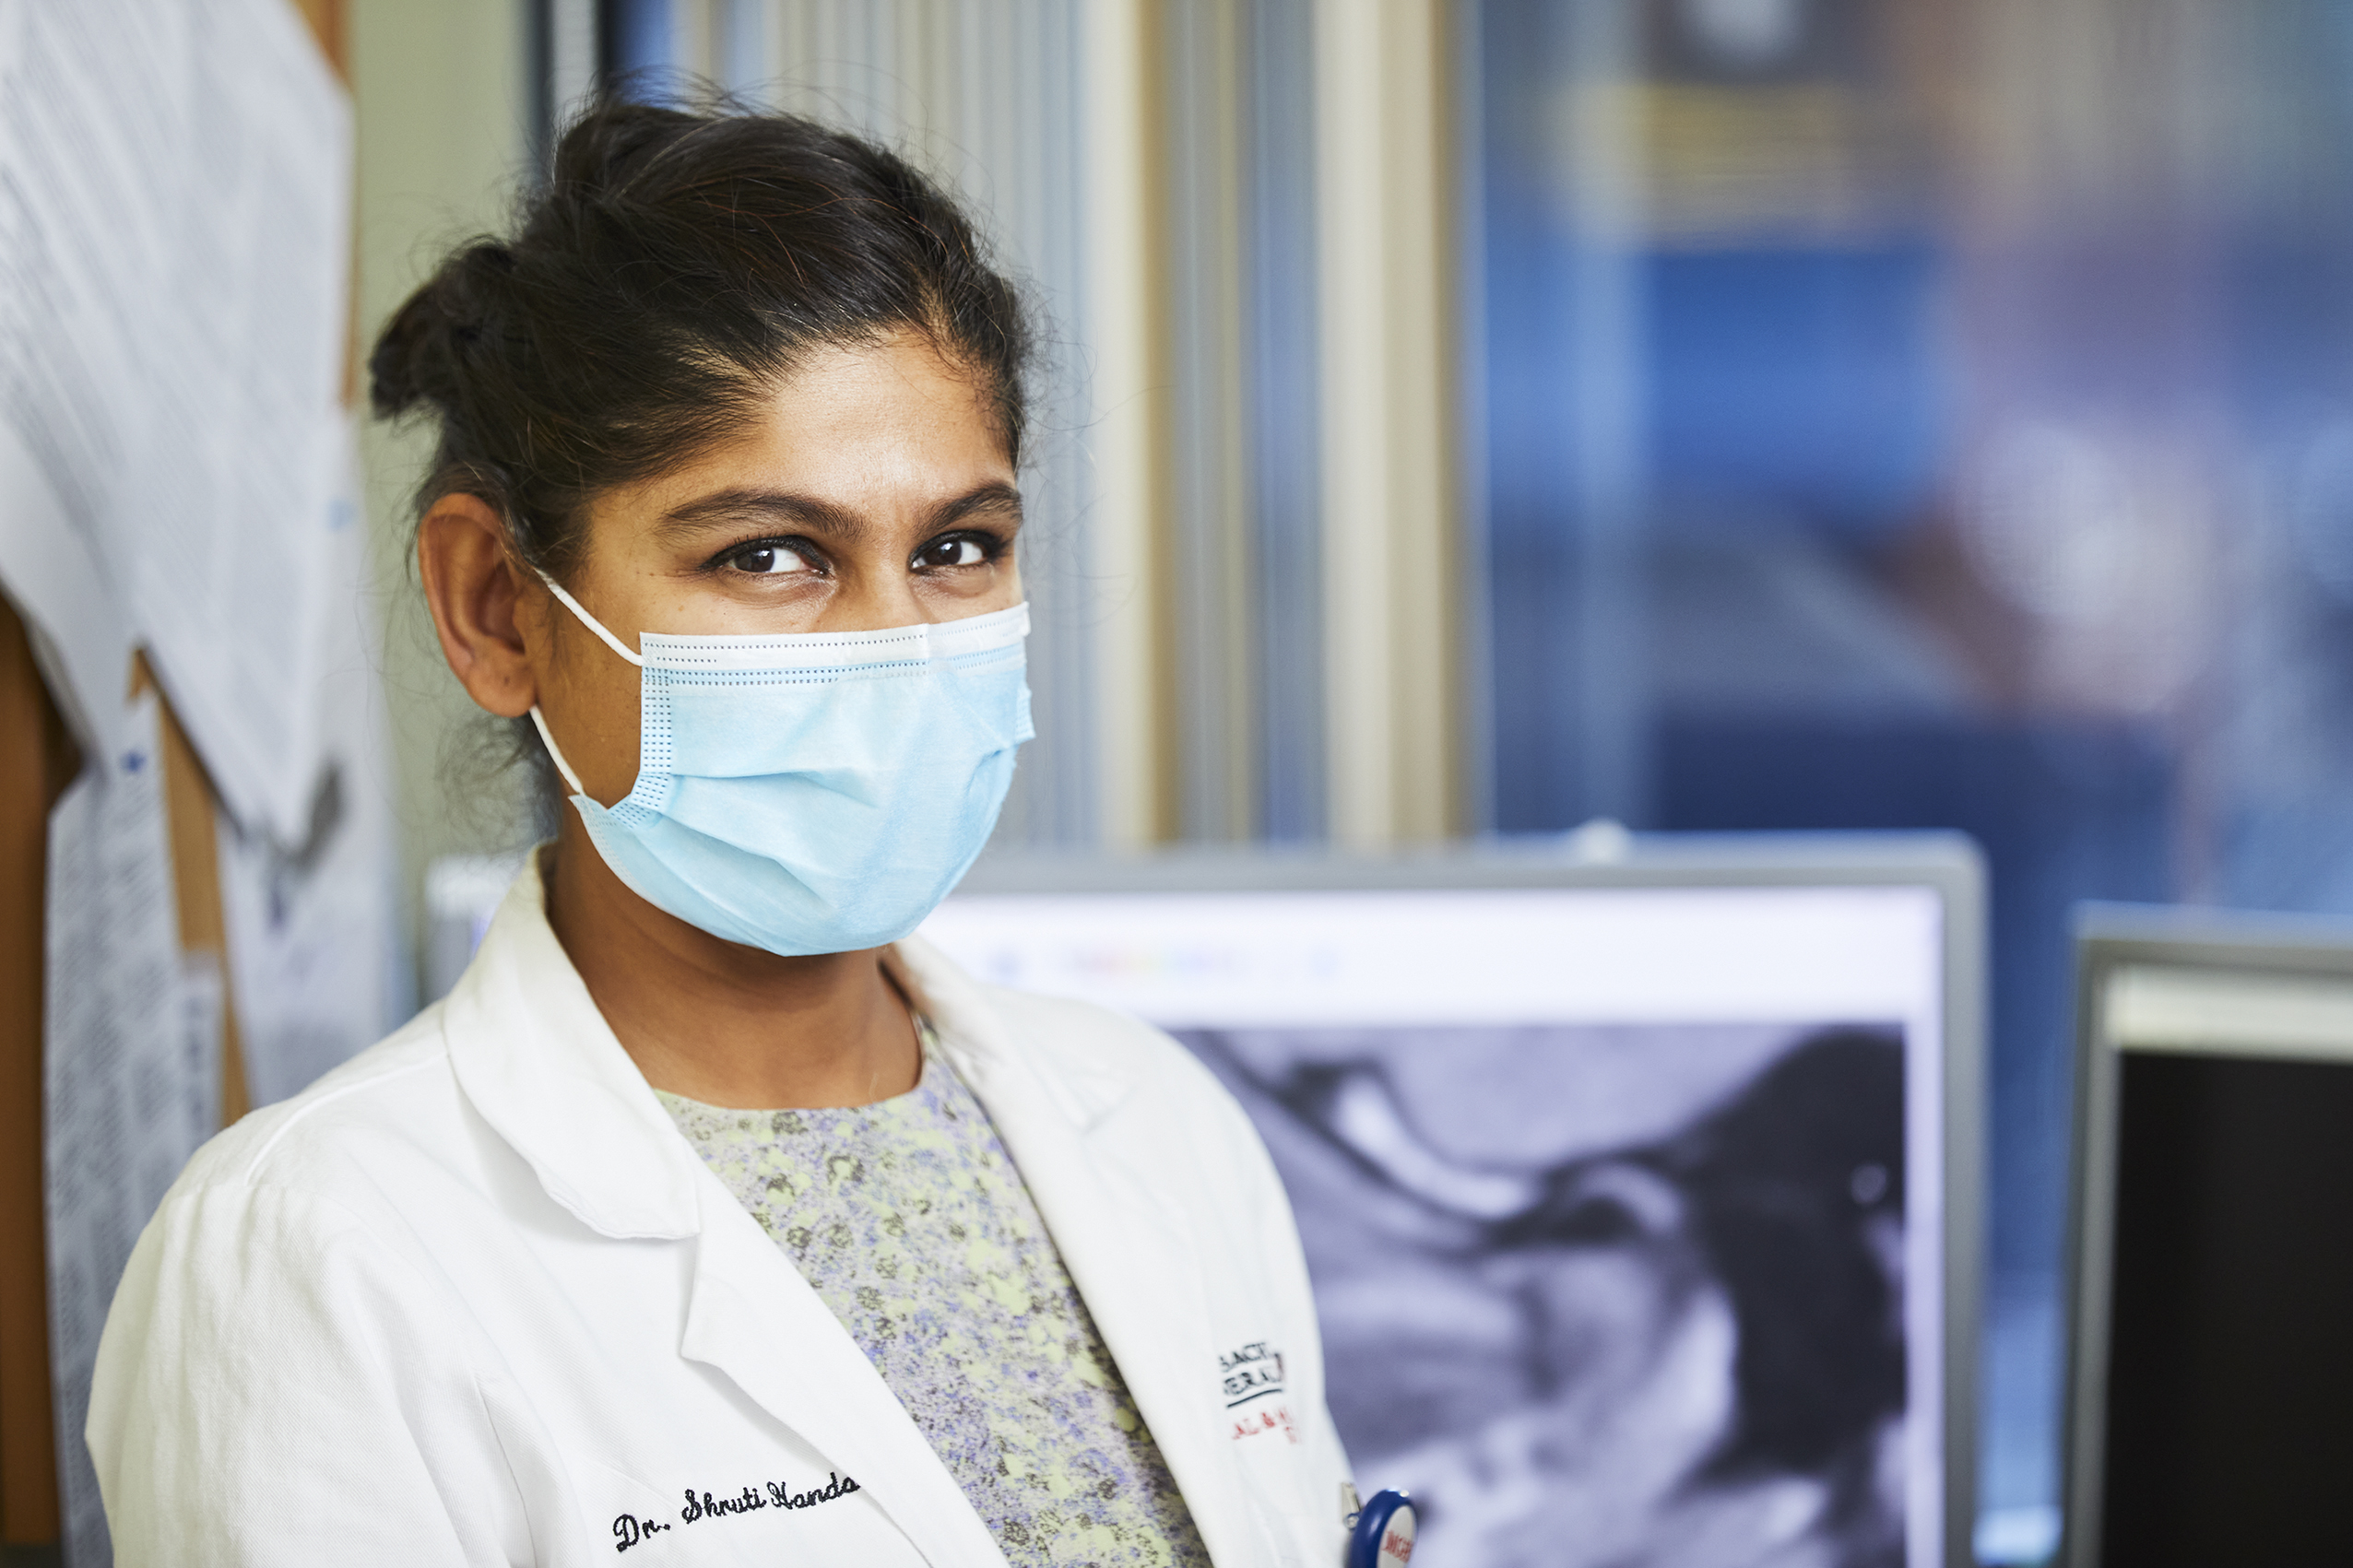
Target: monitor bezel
{"type": "Point", "coordinates": [2110, 937]}
{"type": "Point", "coordinates": [1602, 856]}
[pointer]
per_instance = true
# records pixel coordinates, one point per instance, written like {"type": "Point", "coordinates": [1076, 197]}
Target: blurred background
{"type": "Point", "coordinates": [1479, 417]}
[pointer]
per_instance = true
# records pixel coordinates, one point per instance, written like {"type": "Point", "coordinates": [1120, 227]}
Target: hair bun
{"type": "Point", "coordinates": [400, 369]}
{"type": "Point", "coordinates": [602, 149]}
{"type": "Point", "coordinates": [417, 356]}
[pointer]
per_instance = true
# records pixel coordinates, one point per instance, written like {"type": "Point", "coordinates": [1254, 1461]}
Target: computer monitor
{"type": "Point", "coordinates": [2210, 1411]}
{"type": "Point", "coordinates": [1640, 1183]}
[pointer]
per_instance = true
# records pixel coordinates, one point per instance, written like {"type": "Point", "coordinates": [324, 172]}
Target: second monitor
{"type": "Point", "coordinates": [2211, 1416]}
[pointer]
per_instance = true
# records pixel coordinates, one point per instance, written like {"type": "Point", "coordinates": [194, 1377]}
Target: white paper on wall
{"type": "Point", "coordinates": [130, 1044]}
{"type": "Point", "coordinates": [80, 635]}
{"type": "Point", "coordinates": [315, 964]}
{"type": "Point", "coordinates": [175, 217]}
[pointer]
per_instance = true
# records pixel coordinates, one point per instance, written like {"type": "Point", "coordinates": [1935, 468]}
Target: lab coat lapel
{"type": "Point", "coordinates": [1138, 1275]}
{"type": "Point", "coordinates": [755, 1318]}
{"type": "Point", "coordinates": [539, 1063]}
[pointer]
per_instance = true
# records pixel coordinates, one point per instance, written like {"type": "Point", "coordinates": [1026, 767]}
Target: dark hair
{"type": "Point", "coordinates": [677, 264]}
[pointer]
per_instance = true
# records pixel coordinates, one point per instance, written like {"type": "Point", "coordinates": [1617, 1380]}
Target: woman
{"type": "Point", "coordinates": [711, 1217]}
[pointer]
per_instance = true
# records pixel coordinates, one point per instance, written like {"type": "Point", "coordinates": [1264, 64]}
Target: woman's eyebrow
{"type": "Point", "coordinates": [776, 509]}
{"type": "Point", "coordinates": [784, 509]}
{"type": "Point", "coordinates": [994, 497]}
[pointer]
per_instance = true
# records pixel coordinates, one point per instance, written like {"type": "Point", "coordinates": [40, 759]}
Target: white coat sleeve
{"type": "Point", "coordinates": [259, 1393]}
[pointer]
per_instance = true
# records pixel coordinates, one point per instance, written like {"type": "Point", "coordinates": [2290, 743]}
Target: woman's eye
{"type": "Point", "coordinates": [965, 551]}
{"type": "Point", "coordinates": [769, 560]}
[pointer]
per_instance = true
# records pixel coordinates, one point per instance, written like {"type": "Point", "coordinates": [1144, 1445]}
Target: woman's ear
{"type": "Point", "coordinates": [476, 593]}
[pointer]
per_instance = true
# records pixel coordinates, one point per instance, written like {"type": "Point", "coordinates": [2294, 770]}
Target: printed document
{"type": "Point", "coordinates": [130, 1065]}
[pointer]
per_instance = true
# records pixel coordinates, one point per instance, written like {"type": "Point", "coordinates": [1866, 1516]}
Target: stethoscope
{"type": "Point", "coordinates": [1381, 1535]}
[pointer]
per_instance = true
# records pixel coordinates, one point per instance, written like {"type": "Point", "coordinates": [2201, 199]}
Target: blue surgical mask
{"type": "Point", "coordinates": [817, 793]}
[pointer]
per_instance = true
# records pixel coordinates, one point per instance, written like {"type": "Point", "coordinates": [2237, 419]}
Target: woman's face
{"type": "Point", "coordinates": [873, 491]}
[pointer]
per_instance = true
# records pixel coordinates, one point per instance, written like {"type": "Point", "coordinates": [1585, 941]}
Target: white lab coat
{"type": "Point", "coordinates": [472, 1299]}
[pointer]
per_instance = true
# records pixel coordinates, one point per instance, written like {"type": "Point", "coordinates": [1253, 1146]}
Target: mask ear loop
{"type": "Point", "coordinates": [555, 752]}
{"type": "Point", "coordinates": [592, 623]}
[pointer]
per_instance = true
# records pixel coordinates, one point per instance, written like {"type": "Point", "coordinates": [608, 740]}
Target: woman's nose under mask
{"type": "Point", "coordinates": [817, 792]}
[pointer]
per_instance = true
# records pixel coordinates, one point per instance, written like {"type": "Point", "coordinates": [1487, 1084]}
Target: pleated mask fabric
{"type": "Point", "coordinates": [814, 793]}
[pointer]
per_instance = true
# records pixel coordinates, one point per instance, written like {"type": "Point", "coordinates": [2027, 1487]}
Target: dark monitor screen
{"type": "Point", "coordinates": [2231, 1338]}
{"type": "Point", "coordinates": [2225, 1354]}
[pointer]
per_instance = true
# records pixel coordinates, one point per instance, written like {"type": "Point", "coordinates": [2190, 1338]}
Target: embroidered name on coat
{"type": "Point", "coordinates": [629, 1530]}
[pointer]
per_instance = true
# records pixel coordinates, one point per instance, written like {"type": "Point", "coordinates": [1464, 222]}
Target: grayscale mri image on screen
{"type": "Point", "coordinates": [1621, 1296]}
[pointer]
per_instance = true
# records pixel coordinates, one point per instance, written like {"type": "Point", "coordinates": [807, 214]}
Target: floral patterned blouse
{"type": "Point", "coordinates": [911, 1222]}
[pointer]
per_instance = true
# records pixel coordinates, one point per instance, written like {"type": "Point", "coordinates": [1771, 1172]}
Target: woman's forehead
{"type": "Point", "coordinates": [880, 432]}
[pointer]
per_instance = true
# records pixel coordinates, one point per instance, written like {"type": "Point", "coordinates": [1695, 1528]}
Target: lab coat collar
{"type": "Point", "coordinates": [541, 1066]}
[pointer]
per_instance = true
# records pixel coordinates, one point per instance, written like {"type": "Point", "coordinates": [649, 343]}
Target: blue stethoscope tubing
{"type": "Point", "coordinates": [1383, 1510]}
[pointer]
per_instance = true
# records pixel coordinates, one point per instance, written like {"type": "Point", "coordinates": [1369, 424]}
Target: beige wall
{"type": "Point", "coordinates": [1385, 243]}
{"type": "Point", "coordinates": [438, 88]}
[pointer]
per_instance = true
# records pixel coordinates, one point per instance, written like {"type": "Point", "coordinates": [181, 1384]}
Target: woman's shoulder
{"type": "Point", "coordinates": [401, 1087]}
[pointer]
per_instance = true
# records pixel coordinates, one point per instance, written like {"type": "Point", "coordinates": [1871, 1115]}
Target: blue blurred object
{"type": "Point", "coordinates": [1791, 383]}
{"type": "Point", "coordinates": [637, 36]}
{"type": "Point", "coordinates": [1385, 1512]}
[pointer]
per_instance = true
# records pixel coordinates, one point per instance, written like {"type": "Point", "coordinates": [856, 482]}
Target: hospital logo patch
{"type": "Point", "coordinates": [1250, 1372]}
{"type": "Point", "coordinates": [1249, 1377]}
